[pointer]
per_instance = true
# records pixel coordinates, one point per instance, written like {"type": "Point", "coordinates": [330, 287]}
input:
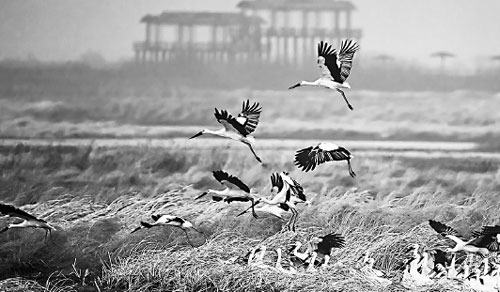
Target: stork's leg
{"type": "Point", "coordinates": [294, 223]}
{"type": "Point", "coordinates": [345, 98]}
{"type": "Point", "coordinates": [253, 209]}
{"type": "Point", "coordinates": [290, 222]}
{"type": "Point", "coordinates": [351, 172]}
{"type": "Point", "coordinates": [254, 154]}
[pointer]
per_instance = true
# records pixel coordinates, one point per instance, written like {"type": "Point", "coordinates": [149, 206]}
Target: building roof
{"type": "Point", "coordinates": [297, 4]}
{"type": "Point", "coordinates": [201, 18]}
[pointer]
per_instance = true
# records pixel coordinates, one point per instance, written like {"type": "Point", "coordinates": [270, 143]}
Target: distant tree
{"type": "Point", "coordinates": [443, 55]}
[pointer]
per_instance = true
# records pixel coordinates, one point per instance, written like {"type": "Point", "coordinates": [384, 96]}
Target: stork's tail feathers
{"type": "Point", "coordinates": [4, 229]}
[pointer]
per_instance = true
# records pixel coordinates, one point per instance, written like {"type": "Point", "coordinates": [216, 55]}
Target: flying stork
{"type": "Point", "coordinates": [308, 158]}
{"type": "Point", "coordinates": [482, 242]}
{"type": "Point", "coordinates": [169, 220]}
{"type": "Point", "coordinates": [335, 67]}
{"type": "Point", "coordinates": [239, 128]}
{"type": "Point", "coordinates": [28, 219]}
{"type": "Point", "coordinates": [287, 194]}
{"type": "Point", "coordinates": [239, 194]}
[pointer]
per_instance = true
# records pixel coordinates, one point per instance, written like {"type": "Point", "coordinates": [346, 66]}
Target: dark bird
{"type": "Point", "coordinates": [335, 68]}
{"type": "Point", "coordinates": [239, 191]}
{"type": "Point", "coordinates": [28, 219]}
{"type": "Point", "coordinates": [239, 128]}
{"type": "Point", "coordinates": [169, 220]}
{"type": "Point", "coordinates": [482, 243]}
{"type": "Point", "coordinates": [308, 158]}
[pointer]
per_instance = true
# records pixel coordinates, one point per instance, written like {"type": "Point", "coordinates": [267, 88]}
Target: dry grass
{"type": "Point", "coordinates": [96, 196]}
{"type": "Point", "coordinates": [301, 113]}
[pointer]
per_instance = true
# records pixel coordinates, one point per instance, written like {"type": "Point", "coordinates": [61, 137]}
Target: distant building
{"type": "Point", "coordinates": [271, 31]}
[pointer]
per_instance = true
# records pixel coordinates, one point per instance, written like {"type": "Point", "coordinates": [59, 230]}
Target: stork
{"type": "Point", "coordinates": [310, 157]}
{"type": "Point", "coordinates": [240, 192]}
{"type": "Point", "coordinates": [325, 244]}
{"type": "Point", "coordinates": [29, 221]}
{"type": "Point", "coordinates": [239, 128]}
{"type": "Point", "coordinates": [334, 68]}
{"type": "Point", "coordinates": [288, 193]}
{"type": "Point", "coordinates": [169, 220]}
{"type": "Point", "coordinates": [482, 243]}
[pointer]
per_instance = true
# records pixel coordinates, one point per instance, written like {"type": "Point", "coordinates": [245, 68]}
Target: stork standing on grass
{"type": "Point", "coordinates": [335, 68]}
{"type": "Point", "coordinates": [169, 220]}
{"type": "Point", "coordinates": [239, 128]}
{"type": "Point", "coordinates": [482, 243]}
{"type": "Point", "coordinates": [28, 219]}
{"type": "Point", "coordinates": [310, 157]}
{"type": "Point", "coordinates": [288, 193]}
{"type": "Point", "coordinates": [240, 192]}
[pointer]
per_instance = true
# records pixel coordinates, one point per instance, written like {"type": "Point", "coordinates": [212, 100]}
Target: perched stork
{"type": "Point", "coordinates": [28, 219]}
{"type": "Point", "coordinates": [239, 128]}
{"type": "Point", "coordinates": [169, 220]}
{"type": "Point", "coordinates": [287, 194]}
{"type": "Point", "coordinates": [240, 192]}
{"type": "Point", "coordinates": [308, 158]}
{"type": "Point", "coordinates": [335, 68]}
{"type": "Point", "coordinates": [482, 243]}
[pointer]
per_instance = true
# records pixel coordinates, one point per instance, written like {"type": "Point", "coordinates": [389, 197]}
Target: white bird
{"type": "Point", "coordinates": [169, 220]}
{"type": "Point", "coordinates": [239, 128]}
{"type": "Point", "coordinates": [29, 221]}
{"type": "Point", "coordinates": [240, 192]}
{"type": "Point", "coordinates": [335, 68]}
{"type": "Point", "coordinates": [482, 243]}
{"type": "Point", "coordinates": [310, 157]}
{"type": "Point", "coordinates": [288, 193]}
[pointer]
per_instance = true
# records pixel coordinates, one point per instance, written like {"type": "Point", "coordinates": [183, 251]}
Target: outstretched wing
{"type": "Point", "coordinates": [327, 61]}
{"type": "Point", "coordinates": [295, 188]}
{"type": "Point", "coordinates": [229, 122]}
{"type": "Point", "coordinates": [12, 211]}
{"type": "Point", "coordinates": [330, 241]}
{"type": "Point", "coordinates": [277, 181]}
{"type": "Point", "coordinates": [442, 228]}
{"type": "Point", "coordinates": [346, 54]}
{"type": "Point", "coordinates": [249, 116]}
{"type": "Point", "coordinates": [222, 176]}
{"type": "Point", "coordinates": [310, 157]}
{"type": "Point", "coordinates": [491, 230]}
{"type": "Point", "coordinates": [488, 241]}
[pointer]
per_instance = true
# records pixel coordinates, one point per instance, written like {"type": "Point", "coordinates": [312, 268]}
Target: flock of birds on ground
{"type": "Point", "coordinates": [422, 268]}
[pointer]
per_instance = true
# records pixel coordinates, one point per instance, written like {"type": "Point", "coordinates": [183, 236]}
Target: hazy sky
{"type": "Point", "coordinates": [64, 29]}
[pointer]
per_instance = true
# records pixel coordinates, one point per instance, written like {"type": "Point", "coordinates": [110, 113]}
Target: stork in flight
{"type": "Point", "coordinates": [28, 219]}
{"type": "Point", "coordinates": [240, 192]}
{"type": "Point", "coordinates": [308, 158]}
{"type": "Point", "coordinates": [287, 194]}
{"type": "Point", "coordinates": [335, 67]}
{"type": "Point", "coordinates": [482, 243]}
{"type": "Point", "coordinates": [169, 220]}
{"type": "Point", "coordinates": [239, 128]}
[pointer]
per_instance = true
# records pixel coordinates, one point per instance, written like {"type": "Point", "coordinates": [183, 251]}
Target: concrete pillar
{"type": "Point", "coordinates": [148, 33]}
{"type": "Point", "coordinates": [286, 37]}
{"type": "Point", "coordinates": [158, 36]}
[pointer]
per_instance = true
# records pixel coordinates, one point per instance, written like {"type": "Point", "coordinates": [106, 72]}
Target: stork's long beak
{"type": "Point", "coordinates": [199, 134]}
{"type": "Point", "coordinates": [201, 195]}
{"type": "Point", "coordinates": [293, 86]}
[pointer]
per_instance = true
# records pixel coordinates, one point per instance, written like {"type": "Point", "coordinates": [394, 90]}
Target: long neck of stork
{"type": "Point", "coordinates": [262, 252]}
{"type": "Point", "coordinates": [278, 260]}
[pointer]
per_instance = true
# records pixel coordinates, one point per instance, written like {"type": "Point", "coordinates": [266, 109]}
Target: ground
{"type": "Point", "coordinates": [96, 193]}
